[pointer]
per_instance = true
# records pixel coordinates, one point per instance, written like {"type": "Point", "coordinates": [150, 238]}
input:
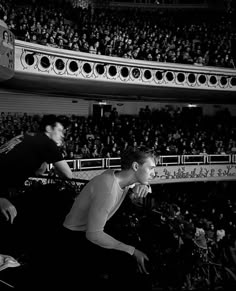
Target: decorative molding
{"type": "Point", "coordinates": [190, 173]}
{"type": "Point", "coordinates": [177, 174]}
{"type": "Point", "coordinates": [37, 59]}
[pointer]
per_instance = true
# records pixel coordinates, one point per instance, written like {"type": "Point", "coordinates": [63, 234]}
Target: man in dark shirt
{"type": "Point", "coordinates": [32, 233]}
{"type": "Point", "coordinates": [30, 158]}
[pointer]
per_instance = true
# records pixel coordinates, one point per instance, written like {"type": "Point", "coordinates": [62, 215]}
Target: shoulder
{"type": "Point", "coordinates": [43, 138]}
{"type": "Point", "coordinates": [43, 143]}
{"type": "Point", "coordinates": [107, 175]}
{"type": "Point", "coordinates": [104, 180]}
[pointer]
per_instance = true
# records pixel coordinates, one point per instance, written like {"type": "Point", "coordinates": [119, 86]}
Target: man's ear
{"type": "Point", "coordinates": [48, 128]}
{"type": "Point", "coordinates": [135, 166]}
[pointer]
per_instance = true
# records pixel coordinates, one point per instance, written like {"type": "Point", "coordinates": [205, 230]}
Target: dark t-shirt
{"type": "Point", "coordinates": [25, 158]}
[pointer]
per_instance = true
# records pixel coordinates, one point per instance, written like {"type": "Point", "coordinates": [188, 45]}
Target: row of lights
{"type": "Point", "coordinates": [134, 72]}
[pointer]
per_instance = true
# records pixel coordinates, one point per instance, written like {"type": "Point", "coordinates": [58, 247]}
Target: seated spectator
{"type": "Point", "coordinates": [164, 39]}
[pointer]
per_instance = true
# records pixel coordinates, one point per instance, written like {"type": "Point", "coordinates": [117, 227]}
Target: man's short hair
{"type": "Point", "coordinates": [133, 154]}
{"type": "Point", "coordinates": [52, 120]}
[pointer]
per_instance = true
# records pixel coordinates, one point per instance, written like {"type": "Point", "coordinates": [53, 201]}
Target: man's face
{"type": "Point", "coordinates": [57, 133]}
{"type": "Point", "coordinates": [146, 171]}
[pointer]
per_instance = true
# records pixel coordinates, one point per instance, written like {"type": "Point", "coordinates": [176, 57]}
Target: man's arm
{"type": "Point", "coordinates": [99, 209]}
{"type": "Point", "coordinates": [63, 170]}
{"type": "Point", "coordinates": [95, 233]}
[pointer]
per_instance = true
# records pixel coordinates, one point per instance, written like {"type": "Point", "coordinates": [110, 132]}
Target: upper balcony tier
{"type": "Point", "coordinates": [56, 72]}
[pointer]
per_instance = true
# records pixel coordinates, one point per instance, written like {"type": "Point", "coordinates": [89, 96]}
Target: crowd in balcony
{"type": "Point", "coordinates": [176, 36]}
{"type": "Point", "coordinates": [168, 131]}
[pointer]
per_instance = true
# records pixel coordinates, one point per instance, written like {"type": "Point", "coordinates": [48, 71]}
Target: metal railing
{"type": "Point", "coordinates": [170, 160]}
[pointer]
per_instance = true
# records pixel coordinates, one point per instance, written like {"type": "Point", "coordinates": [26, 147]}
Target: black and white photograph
{"type": "Point", "coordinates": [117, 145]}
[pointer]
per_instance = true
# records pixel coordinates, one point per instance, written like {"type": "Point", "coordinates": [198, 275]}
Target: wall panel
{"type": "Point", "coordinates": [37, 104]}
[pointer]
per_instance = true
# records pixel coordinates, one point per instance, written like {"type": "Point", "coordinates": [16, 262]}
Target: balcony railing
{"type": "Point", "coordinates": [171, 160]}
{"type": "Point", "coordinates": [41, 60]}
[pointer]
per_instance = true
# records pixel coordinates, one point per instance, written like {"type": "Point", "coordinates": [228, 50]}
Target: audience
{"type": "Point", "coordinates": [204, 213]}
{"type": "Point", "coordinates": [165, 130]}
{"type": "Point", "coordinates": [161, 35]}
{"type": "Point", "coordinates": [200, 221]}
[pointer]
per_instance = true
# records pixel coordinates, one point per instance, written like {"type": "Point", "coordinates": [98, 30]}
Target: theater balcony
{"type": "Point", "coordinates": [56, 72]}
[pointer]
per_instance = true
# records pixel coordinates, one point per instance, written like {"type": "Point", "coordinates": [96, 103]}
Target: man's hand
{"type": "Point", "coordinates": [42, 169]}
{"type": "Point", "coordinates": [140, 191]}
{"type": "Point", "coordinates": [140, 258]}
{"type": "Point", "coordinates": [8, 261]}
{"type": "Point", "coordinates": [7, 209]}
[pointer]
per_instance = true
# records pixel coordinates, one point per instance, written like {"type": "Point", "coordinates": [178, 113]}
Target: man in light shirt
{"type": "Point", "coordinates": [89, 247]}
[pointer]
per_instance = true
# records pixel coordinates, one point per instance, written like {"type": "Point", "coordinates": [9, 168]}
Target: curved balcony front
{"type": "Point", "coordinates": [63, 72]}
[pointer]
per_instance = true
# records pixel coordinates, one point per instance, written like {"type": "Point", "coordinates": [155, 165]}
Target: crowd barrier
{"type": "Point", "coordinates": [170, 160]}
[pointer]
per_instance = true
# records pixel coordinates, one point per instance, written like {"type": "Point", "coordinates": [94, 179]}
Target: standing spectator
{"type": "Point", "coordinates": [33, 215]}
{"type": "Point", "coordinates": [90, 248]}
{"type": "Point", "coordinates": [27, 157]}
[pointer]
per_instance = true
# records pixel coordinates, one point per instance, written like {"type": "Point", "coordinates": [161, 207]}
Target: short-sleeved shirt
{"type": "Point", "coordinates": [25, 158]}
